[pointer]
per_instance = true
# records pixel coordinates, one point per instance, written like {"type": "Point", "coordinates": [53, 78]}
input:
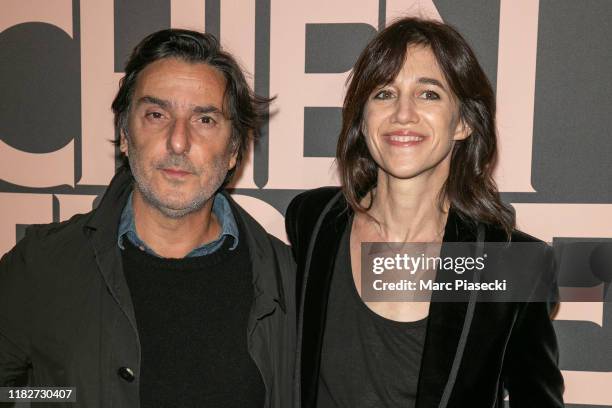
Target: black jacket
{"type": "Point", "coordinates": [472, 350]}
{"type": "Point", "coordinates": [66, 313]}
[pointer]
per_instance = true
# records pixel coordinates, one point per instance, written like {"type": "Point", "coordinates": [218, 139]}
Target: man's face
{"type": "Point", "coordinates": [178, 141]}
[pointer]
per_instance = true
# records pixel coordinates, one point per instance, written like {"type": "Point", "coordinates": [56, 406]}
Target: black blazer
{"type": "Point", "coordinates": [473, 351]}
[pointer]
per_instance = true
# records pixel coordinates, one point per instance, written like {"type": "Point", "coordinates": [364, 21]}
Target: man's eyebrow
{"type": "Point", "coordinates": [155, 101]}
{"type": "Point", "coordinates": [431, 81]}
{"type": "Point", "coordinates": [207, 109]}
{"type": "Point", "coordinates": [164, 104]}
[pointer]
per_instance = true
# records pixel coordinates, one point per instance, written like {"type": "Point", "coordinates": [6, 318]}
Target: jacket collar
{"type": "Point", "coordinates": [105, 219]}
{"type": "Point", "coordinates": [447, 327]}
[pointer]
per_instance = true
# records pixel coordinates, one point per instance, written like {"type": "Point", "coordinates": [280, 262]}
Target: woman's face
{"type": "Point", "coordinates": [411, 124]}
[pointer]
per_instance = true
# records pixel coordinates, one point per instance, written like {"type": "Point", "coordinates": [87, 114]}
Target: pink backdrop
{"type": "Point", "coordinates": [41, 187]}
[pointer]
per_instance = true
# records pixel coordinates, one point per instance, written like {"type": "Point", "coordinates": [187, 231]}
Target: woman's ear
{"type": "Point", "coordinates": [462, 130]}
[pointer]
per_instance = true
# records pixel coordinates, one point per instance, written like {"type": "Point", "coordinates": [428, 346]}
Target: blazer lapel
{"type": "Point", "coordinates": [447, 329]}
{"type": "Point", "coordinates": [322, 256]}
{"type": "Point", "coordinates": [448, 322]}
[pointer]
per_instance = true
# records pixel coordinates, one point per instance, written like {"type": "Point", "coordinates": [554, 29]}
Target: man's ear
{"type": "Point", "coordinates": [462, 131]}
{"type": "Point", "coordinates": [123, 143]}
{"type": "Point", "coordinates": [233, 159]}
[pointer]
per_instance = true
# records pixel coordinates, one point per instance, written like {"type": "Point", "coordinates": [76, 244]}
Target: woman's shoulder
{"type": "Point", "coordinates": [317, 196]}
{"type": "Point", "coordinates": [467, 229]}
{"type": "Point", "coordinates": [495, 233]}
{"type": "Point", "coordinates": [305, 210]}
{"type": "Point", "coordinates": [311, 203]}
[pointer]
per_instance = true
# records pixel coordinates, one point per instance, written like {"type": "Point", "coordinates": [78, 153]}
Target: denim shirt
{"type": "Point", "coordinates": [221, 208]}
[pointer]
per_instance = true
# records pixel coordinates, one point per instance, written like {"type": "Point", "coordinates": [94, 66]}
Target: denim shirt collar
{"type": "Point", "coordinates": [221, 208]}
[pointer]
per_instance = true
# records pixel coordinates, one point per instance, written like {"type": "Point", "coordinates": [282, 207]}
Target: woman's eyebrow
{"type": "Point", "coordinates": [431, 81]}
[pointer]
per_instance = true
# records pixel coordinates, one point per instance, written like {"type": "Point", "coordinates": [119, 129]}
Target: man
{"type": "Point", "coordinates": [168, 294]}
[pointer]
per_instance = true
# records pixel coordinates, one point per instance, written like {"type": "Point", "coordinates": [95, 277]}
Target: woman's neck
{"type": "Point", "coordinates": [409, 210]}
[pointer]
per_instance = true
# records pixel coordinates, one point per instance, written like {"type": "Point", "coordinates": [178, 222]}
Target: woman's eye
{"type": "Point", "coordinates": [430, 95]}
{"type": "Point", "coordinates": [384, 94]}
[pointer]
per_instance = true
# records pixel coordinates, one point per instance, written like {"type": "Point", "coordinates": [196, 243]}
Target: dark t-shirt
{"type": "Point", "coordinates": [367, 360]}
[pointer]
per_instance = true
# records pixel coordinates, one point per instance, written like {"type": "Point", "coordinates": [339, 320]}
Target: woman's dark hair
{"type": "Point", "coordinates": [470, 187]}
{"type": "Point", "coordinates": [245, 109]}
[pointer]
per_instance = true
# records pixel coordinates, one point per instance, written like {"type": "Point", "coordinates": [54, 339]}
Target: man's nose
{"type": "Point", "coordinates": [179, 139]}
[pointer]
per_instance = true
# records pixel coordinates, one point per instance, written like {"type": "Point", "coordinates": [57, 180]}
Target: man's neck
{"type": "Point", "coordinates": [174, 237]}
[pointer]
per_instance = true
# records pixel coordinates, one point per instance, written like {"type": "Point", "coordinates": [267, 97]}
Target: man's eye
{"type": "Point", "coordinates": [430, 95]}
{"type": "Point", "coordinates": [384, 94]}
{"type": "Point", "coordinates": [207, 120]}
{"type": "Point", "coordinates": [155, 115]}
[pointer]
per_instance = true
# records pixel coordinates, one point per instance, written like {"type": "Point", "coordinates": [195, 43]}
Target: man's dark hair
{"type": "Point", "coordinates": [242, 107]}
{"type": "Point", "coordinates": [470, 187]}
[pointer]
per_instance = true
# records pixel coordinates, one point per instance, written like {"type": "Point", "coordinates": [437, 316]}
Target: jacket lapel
{"type": "Point", "coordinates": [102, 231]}
{"type": "Point", "coordinates": [267, 272]}
{"type": "Point", "coordinates": [447, 329]}
{"type": "Point", "coordinates": [317, 277]}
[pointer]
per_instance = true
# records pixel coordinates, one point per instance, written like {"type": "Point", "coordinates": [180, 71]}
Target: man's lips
{"type": "Point", "coordinates": [175, 172]}
{"type": "Point", "coordinates": [404, 138]}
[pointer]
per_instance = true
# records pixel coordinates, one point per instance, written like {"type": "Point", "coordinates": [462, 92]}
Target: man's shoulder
{"type": "Point", "coordinates": [74, 229]}
{"type": "Point", "coordinates": [277, 244]}
{"type": "Point", "coordinates": [266, 250]}
{"type": "Point", "coordinates": [252, 227]}
{"type": "Point", "coordinates": [57, 235]}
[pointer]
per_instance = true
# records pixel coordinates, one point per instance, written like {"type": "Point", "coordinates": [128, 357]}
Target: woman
{"type": "Point", "coordinates": [416, 155]}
